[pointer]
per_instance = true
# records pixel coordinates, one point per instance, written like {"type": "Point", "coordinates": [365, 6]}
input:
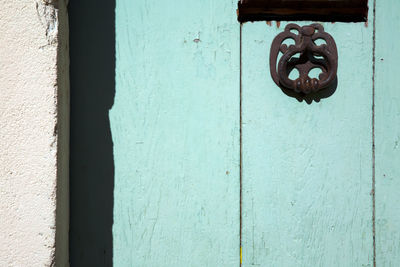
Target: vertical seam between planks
{"type": "Point", "coordinates": [240, 146]}
{"type": "Point", "coordinates": [373, 132]}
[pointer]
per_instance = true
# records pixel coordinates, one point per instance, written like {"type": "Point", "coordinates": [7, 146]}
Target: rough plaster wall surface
{"type": "Point", "coordinates": [32, 135]}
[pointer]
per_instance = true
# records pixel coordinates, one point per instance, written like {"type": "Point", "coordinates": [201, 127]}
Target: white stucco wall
{"type": "Point", "coordinates": [33, 133]}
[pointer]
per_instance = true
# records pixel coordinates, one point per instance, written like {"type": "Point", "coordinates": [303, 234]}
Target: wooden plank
{"type": "Point", "coordinates": [175, 128]}
{"type": "Point", "coordinates": [387, 133]}
{"type": "Point", "coordinates": [307, 167]}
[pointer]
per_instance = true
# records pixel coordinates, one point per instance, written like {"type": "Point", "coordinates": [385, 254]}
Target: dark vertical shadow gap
{"type": "Point", "coordinates": [240, 149]}
{"type": "Point", "coordinates": [92, 70]}
{"type": "Point", "coordinates": [373, 136]}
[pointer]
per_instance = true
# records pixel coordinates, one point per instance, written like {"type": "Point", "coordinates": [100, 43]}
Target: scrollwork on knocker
{"type": "Point", "coordinates": [312, 56]}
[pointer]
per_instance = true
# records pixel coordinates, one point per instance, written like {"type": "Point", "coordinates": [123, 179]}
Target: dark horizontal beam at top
{"type": "Point", "coordinates": [314, 10]}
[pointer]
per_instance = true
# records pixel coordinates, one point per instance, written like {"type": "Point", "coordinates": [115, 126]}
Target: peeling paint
{"type": "Point", "coordinates": [47, 11]}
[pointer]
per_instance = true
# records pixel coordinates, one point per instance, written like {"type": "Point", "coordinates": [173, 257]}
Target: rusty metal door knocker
{"type": "Point", "coordinates": [311, 56]}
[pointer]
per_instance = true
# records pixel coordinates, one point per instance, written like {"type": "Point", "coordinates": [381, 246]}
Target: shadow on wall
{"type": "Point", "coordinates": [92, 71]}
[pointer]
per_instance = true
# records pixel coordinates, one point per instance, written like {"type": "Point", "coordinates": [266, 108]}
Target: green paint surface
{"type": "Point", "coordinates": [307, 167]}
{"type": "Point", "coordinates": [387, 133]}
{"type": "Point", "coordinates": [175, 128]}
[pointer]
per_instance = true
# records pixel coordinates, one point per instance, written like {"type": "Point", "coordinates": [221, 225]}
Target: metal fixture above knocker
{"type": "Point", "coordinates": [304, 56]}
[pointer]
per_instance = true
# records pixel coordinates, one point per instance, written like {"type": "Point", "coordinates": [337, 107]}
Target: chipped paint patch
{"type": "Point", "coordinates": [47, 11]}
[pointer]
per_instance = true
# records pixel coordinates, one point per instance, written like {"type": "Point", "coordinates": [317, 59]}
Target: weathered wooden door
{"type": "Point", "coordinates": [216, 166]}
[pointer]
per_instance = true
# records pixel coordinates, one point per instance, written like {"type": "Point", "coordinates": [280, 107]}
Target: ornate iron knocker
{"type": "Point", "coordinates": [312, 56]}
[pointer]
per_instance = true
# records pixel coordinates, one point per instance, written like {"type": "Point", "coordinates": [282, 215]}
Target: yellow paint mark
{"type": "Point", "coordinates": [240, 255]}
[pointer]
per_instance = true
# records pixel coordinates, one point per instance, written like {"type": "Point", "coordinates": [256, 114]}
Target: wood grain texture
{"type": "Point", "coordinates": [175, 128]}
{"type": "Point", "coordinates": [387, 133]}
{"type": "Point", "coordinates": [307, 168]}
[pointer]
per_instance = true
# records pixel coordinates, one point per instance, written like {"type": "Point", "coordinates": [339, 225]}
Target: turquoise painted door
{"type": "Point", "coordinates": [216, 166]}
